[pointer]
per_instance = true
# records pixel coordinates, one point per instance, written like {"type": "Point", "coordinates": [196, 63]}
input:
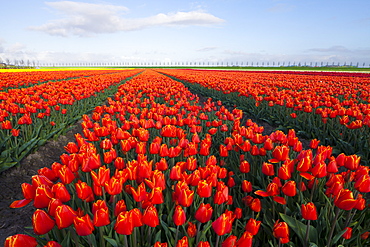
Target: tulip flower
{"type": "Point", "coordinates": [229, 241]}
{"type": "Point", "coordinates": [268, 169]}
{"type": "Point", "coordinates": [61, 192]}
{"type": "Point", "coordinates": [183, 242]}
{"type": "Point", "coordinates": [185, 197]}
{"type": "Point", "coordinates": [253, 226]}
{"type": "Point", "coordinates": [348, 233]}
{"type": "Point", "coordinates": [280, 153]}
{"type": "Point", "coordinates": [124, 224]}
{"type": "Point", "coordinates": [362, 184]}
{"type": "Point", "coordinates": [179, 216]}
{"type": "Point", "coordinates": [42, 223]}
{"type": "Point", "coordinates": [84, 191]}
{"type": "Point", "coordinates": [244, 166]}
{"type": "Point", "coordinates": [246, 186]}
{"type": "Point", "coordinates": [52, 244]}
{"type": "Point", "coordinates": [222, 225]}
{"type": "Point", "coordinates": [289, 188]}
{"type": "Point", "coordinates": [309, 211]}
{"type": "Point", "coordinates": [20, 240]}
{"type": "Point", "coordinates": [83, 225]}
{"type": "Point", "coordinates": [344, 200]}
{"type": "Point", "coordinates": [246, 240]}
{"type": "Point", "coordinates": [204, 189]}
{"type": "Point", "coordinates": [191, 230]}
{"type": "Point", "coordinates": [204, 244]}
{"type": "Point", "coordinates": [281, 231]}
{"type": "Point", "coordinates": [42, 197]}
{"type": "Point", "coordinates": [159, 244]}
{"type": "Point", "coordinates": [203, 213]}
{"type": "Point", "coordinates": [113, 186]}
{"type": "Point", "coordinates": [150, 217]}
{"type": "Point", "coordinates": [64, 216]}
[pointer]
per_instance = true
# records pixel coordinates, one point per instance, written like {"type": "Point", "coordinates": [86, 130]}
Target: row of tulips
{"type": "Point", "coordinates": [30, 116]}
{"type": "Point", "coordinates": [12, 80]}
{"type": "Point", "coordinates": [154, 167]}
{"type": "Point", "coordinates": [332, 107]}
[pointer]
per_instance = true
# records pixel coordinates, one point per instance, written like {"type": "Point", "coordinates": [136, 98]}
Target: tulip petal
{"type": "Point", "coordinates": [307, 175]}
{"type": "Point", "coordinates": [20, 203]}
{"type": "Point", "coordinates": [261, 193]}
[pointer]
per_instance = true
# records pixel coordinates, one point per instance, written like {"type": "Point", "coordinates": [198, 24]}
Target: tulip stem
{"type": "Point", "coordinates": [333, 226]}
{"type": "Point", "coordinates": [307, 233]}
{"type": "Point", "coordinates": [177, 232]}
{"type": "Point", "coordinates": [313, 189]}
{"type": "Point", "coordinates": [125, 239]}
{"type": "Point", "coordinates": [102, 242]}
{"type": "Point", "coordinates": [198, 233]}
{"type": "Point", "coordinates": [217, 240]}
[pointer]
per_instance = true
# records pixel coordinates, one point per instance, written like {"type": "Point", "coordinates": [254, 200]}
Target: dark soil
{"type": "Point", "coordinates": [14, 221]}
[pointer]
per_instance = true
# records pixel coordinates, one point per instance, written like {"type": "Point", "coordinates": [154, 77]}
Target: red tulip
{"type": "Point", "coordinates": [42, 197]}
{"type": "Point", "coordinates": [185, 197]}
{"type": "Point", "coordinates": [83, 225]}
{"type": "Point", "coordinates": [42, 222]}
{"type": "Point", "coordinates": [253, 226]}
{"type": "Point", "coordinates": [204, 189]}
{"type": "Point", "coordinates": [191, 230]}
{"type": "Point", "coordinates": [222, 225]}
{"type": "Point", "coordinates": [280, 153]}
{"type": "Point", "coordinates": [20, 240]}
{"type": "Point", "coordinates": [124, 224]}
{"type": "Point", "coordinates": [223, 151]}
{"type": "Point", "coordinates": [136, 216]}
{"type": "Point", "coordinates": [159, 244]}
{"type": "Point", "coordinates": [244, 166]}
{"type": "Point", "coordinates": [150, 217]}
{"type": "Point", "coordinates": [352, 162]}
{"type": "Point", "coordinates": [61, 192]}
{"type": "Point", "coordinates": [183, 242]}
{"type": "Point", "coordinates": [281, 231]}
{"type": "Point", "coordinates": [204, 244]}
{"type": "Point", "coordinates": [203, 213]}
{"type": "Point", "coordinates": [348, 233]}
{"type": "Point", "coordinates": [52, 244]}
{"type": "Point", "coordinates": [289, 188]}
{"type": "Point", "coordinates": [246, 186]}
{"type": "Point", "coordinates": [246, 240]}
{"type": "Point", "coordinates": [268, 169]}
{"type": "Point", "coordinates": [362, 184]}
{"type": "Point", "coordinates": [140, 194]}
{"type": "Point", "coordinates": [84, 191]}
{"type": "Point", "coordinates": [309, 211]}
{"type": "Point", "coordinates": [113, 186]}
{"type": "Point", "coordinates": [64, 216]}
{"type": "Point", "coordinates": [344, 200]}
{"type": "Point", "coordinates": [179, 216]}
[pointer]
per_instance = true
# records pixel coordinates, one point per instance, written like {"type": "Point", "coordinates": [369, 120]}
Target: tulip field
{"type": "Point", "coordinates": [171, 157]}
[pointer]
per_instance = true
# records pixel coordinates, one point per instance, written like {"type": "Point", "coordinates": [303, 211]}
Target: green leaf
{"type": "Point", "coordinates": [299, 228]}
{"type": "Point", "coordinates": [338, 236]}
{"type": "Point", "coordinates": [158, 236]}
{"type": "Point", "coordinates": [111, 241]}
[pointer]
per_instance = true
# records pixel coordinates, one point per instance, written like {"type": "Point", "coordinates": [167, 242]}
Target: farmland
{"type": "Point", "coordinates": [175, 157]}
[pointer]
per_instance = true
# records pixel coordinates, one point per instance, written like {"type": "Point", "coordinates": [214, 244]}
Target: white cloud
{"type": "Point", "coordinates": [336, 48]}
{"type": "Point", "coordinates": [85, 19]}
{"type": "Point", "coordinates": [208, 48]}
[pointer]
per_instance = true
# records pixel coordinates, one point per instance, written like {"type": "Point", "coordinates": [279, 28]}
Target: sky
{"type": "Point", "coordinates": [264, 32]}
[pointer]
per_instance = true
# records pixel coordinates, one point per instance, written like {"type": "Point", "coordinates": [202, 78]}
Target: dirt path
{"type": "Point", "coordinates": [13, 221]}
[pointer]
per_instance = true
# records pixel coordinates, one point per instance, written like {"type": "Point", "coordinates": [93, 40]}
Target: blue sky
{"type": "Point", "coordinates": [174, 31]}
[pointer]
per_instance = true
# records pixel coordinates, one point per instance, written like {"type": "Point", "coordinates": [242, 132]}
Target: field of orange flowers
{"type": "Point", "coordinates": [155, 167]}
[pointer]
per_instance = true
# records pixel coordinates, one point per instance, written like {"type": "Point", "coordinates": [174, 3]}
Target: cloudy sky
{"type": "Point", "coordinates": [174, 31]}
